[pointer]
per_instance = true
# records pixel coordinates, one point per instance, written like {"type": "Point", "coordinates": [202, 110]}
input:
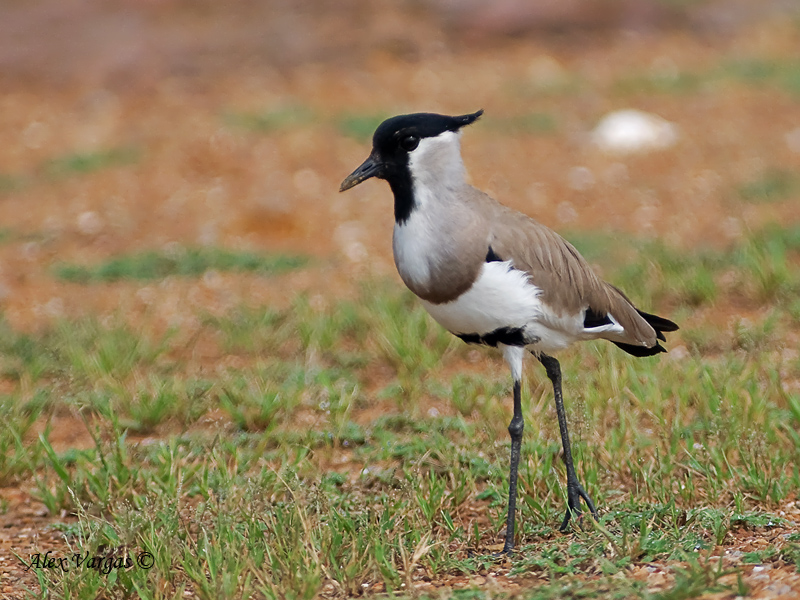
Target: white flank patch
{"type": "Point", "coordinates": [501, 296]}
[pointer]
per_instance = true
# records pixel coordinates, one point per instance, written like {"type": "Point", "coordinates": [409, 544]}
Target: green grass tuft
{"type": "Point", "coordinates": [660, 83]}
{"type": "Point", "coordinates": [11, 183]}
{"type": "Point", "coordinates": [754, 72]}
{"type": "Point", "coordinates": [87, 162]}
{"type": "Point", "coordinates": [772, 186]}
{"type": "Point", "coordinates": [190, 262]}
{"type": "Point", "coordinates": [759, 269]}
{"type": "Point", "coordinates": [784, 74]}
{"type": "Point", "coordinates": [272, 120]}
{"type": "Point", "coordinates": [359, 126]}
{"type": "Point", "coordinates": [531, 123]}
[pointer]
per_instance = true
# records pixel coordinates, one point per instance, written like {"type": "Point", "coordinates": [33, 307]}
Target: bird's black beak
{"type": "Point", "coordinates": [369, 168]}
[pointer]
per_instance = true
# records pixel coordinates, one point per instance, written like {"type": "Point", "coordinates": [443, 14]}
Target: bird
{"type": "Point", "coordinates": [495, 276]}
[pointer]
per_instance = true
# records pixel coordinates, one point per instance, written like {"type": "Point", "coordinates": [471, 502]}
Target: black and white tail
{"type": "Point", "coordinates": [660, 324]}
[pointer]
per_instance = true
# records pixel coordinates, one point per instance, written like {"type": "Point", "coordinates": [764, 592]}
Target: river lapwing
{"type": "Point", "coordinates": [494, 276]}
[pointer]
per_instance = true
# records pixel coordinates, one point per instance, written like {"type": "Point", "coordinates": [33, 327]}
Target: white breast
{"type": "Point", "coordinates": [415, 244]}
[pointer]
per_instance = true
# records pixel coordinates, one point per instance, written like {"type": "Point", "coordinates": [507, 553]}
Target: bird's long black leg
{"type": "Point", "coordinates": [515, 430]}
{"type": "Point", "coordinates": [575, 490]}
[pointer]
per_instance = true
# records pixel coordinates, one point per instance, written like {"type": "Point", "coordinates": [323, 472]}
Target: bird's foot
{"type": "Point", "coordinates": [575, 493]}
{"type": "Point", "coordinates": [497, 555]}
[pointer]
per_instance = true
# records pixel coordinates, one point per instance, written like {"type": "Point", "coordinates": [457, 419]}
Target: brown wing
{"type": "Point", "coordinates": [568, 283]}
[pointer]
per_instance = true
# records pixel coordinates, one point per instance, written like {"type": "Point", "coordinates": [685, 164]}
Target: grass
{"type": "Point", "coordinates": [761, 269]}
{"type": "Point", "coordinates": [69, 165]}
{"type": "Point", "coordinates": [660, 83]}
{"type": "Point", "coordinates": [772, 186]}
{"type": "Point", "coordinates": [183, 262]}
{"type": "Point", "coordinates": [782, 74]}
{"type": "Point", "coordinates": [361, 126]}
{"type": "Point", "coordinates": [272, 120]}
{"type": "Point", "coordinates": [80, 163]}
{"type": "Point", "coordinates": [11, 183]}
{"type": "Point", "coordinates": [358, 126]}
{"type": "Point", "coordinates": [531, 123]}
{"type": "Point", "coordinates": [318, 467]}
{"type": "Point", "coordinates": [6, 235]}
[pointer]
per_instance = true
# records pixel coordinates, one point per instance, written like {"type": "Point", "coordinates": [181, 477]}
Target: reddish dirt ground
{"type": "Point", "coordinates": [161, 78]}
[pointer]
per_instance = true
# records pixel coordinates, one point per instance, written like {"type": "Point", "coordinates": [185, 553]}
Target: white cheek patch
{"type": "Point", "coordinates": [436, 163]}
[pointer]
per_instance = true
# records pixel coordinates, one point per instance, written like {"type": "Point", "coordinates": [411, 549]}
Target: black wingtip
{"type": "Point", "coordinates": [658, 323]}
{"type": "Point", "coordinates": [641, 351]}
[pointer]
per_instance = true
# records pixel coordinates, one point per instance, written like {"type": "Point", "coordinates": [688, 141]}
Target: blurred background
{"type": "Point", "coordinates": [158, 124]}
{"type": "Point", "coordinates": [183, 289]}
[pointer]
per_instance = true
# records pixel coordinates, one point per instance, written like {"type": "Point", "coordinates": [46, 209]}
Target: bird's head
{"type": "Point", "coordinates": [403, 143]}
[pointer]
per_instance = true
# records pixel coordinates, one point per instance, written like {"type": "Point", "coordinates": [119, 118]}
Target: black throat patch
{"type": "Point", "coordinates": [399, 178]}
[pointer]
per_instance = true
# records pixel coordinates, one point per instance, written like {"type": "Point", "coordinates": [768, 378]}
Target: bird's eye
{"type": "Point", "coordinates": [409, 143]}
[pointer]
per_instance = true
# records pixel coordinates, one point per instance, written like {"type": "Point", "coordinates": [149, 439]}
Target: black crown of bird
{"type": "Point", "coordinates": [495, 276]}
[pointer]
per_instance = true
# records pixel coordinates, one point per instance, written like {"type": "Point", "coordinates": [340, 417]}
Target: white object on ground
{"type": "Point", "coordinates": [630, 131]}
